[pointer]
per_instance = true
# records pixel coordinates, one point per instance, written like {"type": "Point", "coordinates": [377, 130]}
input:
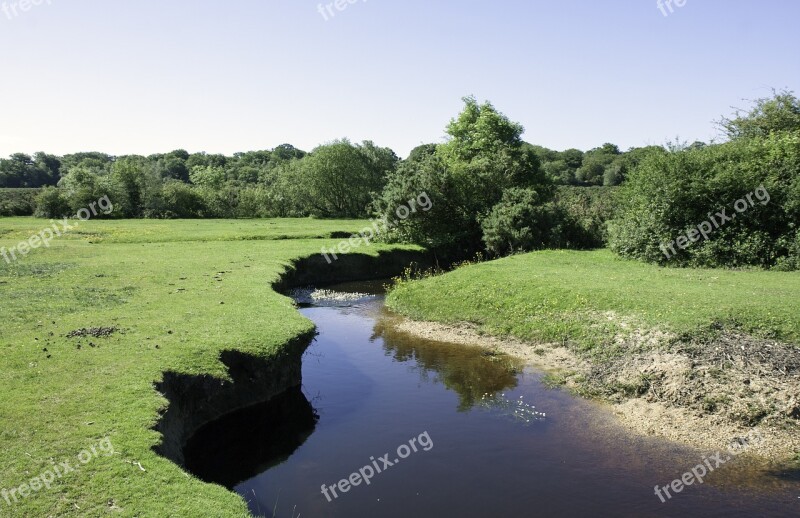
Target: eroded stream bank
{"type": "Point", "coordinates": [195, 401]}
{"type": "Point", "coordinates": [501, 442]}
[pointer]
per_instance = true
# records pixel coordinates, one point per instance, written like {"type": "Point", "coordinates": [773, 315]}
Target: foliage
{"type": "Point", "coordinates": [779, 113]}
{"type": "Point", "coordinates": [520, 223]}
{"type": "Point", "coordinates": [21, 170]}
{"type": "Point", "coordinates": [51, 203]}
{"type": "Point", "coordinates": [18, 202]}
{"type": "Point", "coordinates": [339, 180]}
{"type": "Point", "coordinates": [585, 212]}
{"type": "Point", "coordinates": [464, 178]}
{"type": "Point", "coordinates": [670, 194]}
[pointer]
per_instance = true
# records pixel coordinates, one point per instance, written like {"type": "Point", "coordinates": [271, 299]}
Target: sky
{"type": "Point", "coordinates": [150, 76]}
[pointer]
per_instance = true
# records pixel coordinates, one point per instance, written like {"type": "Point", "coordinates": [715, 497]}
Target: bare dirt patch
{"type": "Point", "coordinates": [96, 332]}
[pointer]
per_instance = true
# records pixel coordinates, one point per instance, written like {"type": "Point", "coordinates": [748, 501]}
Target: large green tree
{"type": "Point", "coordinates": [464, 178]}
{"type": "Point", "coordinates": [340, 179]}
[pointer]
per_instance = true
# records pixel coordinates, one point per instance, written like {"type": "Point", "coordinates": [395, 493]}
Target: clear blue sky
{"type": "Point", "coordinates": [223, 76]}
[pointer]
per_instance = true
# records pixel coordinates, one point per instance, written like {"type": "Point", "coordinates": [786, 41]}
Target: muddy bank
{"type": "Point", "coordinates": [316, 271]}
{"type": "Point", "coordinates": [705, 395]}
{"type": "Point", "coordinates": [195, 401]}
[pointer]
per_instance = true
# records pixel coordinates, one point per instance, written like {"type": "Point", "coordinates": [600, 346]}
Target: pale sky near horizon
{"type": "Point", "coordinates": [152, 76]}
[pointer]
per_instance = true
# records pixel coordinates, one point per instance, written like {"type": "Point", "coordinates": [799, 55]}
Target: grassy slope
{"type": "Point", "coordinates": [562, 295]}
{"type": "Point", "coordinates": [128, 274]}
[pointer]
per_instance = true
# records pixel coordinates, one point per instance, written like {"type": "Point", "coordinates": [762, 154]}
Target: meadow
{"type": "Point", "coordinates": [562, 295]}
{"type": "Point", "coordinates": [174, 295]}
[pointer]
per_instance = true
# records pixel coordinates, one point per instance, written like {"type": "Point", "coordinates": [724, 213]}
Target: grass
{"type": "Point", "coordinates": [160, 284]}
{"type": "Point", "coordinates": [587, 297]}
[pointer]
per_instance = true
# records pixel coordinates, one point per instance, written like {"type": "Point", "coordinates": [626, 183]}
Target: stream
{"type": "Point", "coordinates": [468, 434]}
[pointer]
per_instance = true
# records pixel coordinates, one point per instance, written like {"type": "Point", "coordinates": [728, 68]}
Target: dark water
{"type": "Point", "coordinates": [490, 440]}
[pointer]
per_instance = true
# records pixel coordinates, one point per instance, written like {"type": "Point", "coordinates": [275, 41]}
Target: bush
{"type": "Point", "coordinates": [18, 202]}
{"type": "Point", "coordinates": [52, 203]}
{"type": "Point", "coordinates": [219, 202]}
{"type": "Point", "coordinates": [585, 212]}
{"type": "Point", "coordinates": [181, 201]}
{"type": "Point", "coordinates": [520, 223]}
{"type": "Point", "coordinates": [668, 195]}
{"type": "Point", "coordinates": [254, 202]}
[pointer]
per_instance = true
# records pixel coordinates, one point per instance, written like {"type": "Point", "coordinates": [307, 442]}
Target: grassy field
{"type": "Point", "coordinates": [180, 292]}
{"type": "Point", "coordinates": [560, 296]}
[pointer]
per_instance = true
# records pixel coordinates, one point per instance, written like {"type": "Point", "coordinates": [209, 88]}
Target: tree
{"type": "Point", "coordinates": [129, 175]}
{"type": "Point", "coordinates": [208, 176]}
{"type": "Point", "coordinates": [286, 152]}
{"type": "Point", "coordinates": [22, 170]}
{"type": "Point", "coordinates": [779, 113]}
{"type": "Point", "coordinates": [82, 186]}
{"type": "Point", "coordinates": [206, 160]}
{"type": "Point", "coordinates": [595, 164]}
{"type": "Point", "coordinates": [464, 178]}
{"type": "Point", "coordinates": [573, 158]}
{"type": "Point", "coordinates": [339, 180]}
{"type": "Point", "coordinates": [421, 152]}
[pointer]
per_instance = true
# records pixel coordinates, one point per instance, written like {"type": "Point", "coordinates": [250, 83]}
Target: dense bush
{"type": "Point", "coordinates": [669, 195]}
{"type": "Point", "coordinates": [576, 218]}
{"type": "Point", "coordinates": [52, 203]}
{"type": "Point", "coordinates": [179, 200]}
{"type": "Point", "coordinates": [18, 202]}
{"type": "Point", "coordinates": [585, 213]}
{"type": "Point", "coordinates": [521, 222]}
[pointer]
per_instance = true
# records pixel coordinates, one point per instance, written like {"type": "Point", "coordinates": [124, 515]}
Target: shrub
{"type": "Point", "coordinates": [181, 201]}
{"type": "Point", "coordinates": [18, 202]}
{"type": "Point", "coordinates": [585, 212]}
{"type": "Point", "coordinates": [520, 222]}
{"type": "Point", "coordinates": [668, 195]}
{"type": "Point", "coordinates": [52, 203]}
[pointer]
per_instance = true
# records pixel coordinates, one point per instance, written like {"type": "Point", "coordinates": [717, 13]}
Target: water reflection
{"type": "Point", "coordinates": [473, 373]}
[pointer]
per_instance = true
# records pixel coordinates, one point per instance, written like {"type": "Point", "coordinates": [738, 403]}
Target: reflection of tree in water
{"type": "Point", "coordinates": [469, 371]}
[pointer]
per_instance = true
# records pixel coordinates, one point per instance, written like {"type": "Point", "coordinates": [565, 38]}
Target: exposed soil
{"type": "Point", "coordinates": [704, 393]}
{"type": "Point", "coordinates": [96, 332]}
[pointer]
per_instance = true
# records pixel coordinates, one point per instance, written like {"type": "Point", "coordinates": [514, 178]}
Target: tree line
{"type": "Point", "coordinates": [340, 179]}
{"type": "Point", "coordinates": [492, 192]}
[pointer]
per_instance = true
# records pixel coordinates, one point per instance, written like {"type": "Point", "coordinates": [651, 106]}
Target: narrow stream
{"type": "Point", "coordinates": [481, 436]}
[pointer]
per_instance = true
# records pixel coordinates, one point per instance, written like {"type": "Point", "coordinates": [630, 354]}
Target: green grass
{"type": "Point", "coordinates": [156, 231]}
{"type": "Point", "coordinates": [564, 296]}
{"type": "Point", "coordinates": [157, 281]}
